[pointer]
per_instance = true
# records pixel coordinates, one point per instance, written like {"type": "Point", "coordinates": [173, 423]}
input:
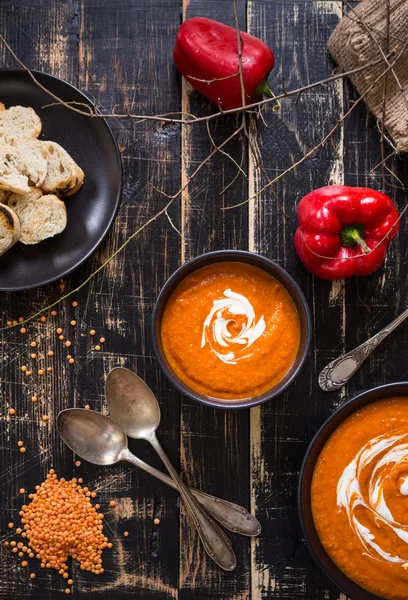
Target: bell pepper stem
{"type": "Point", "coordinates": [263, 89]}
{"type": "Point", "coordinates": [352, 235]}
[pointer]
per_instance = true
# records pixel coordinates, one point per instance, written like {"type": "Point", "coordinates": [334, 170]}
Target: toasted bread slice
{"type": "Point", "coordinates": [19, 123]}
{"type": "Point", "coordinates": [64, 176]}
{"type": "Point", "coordinates": [21, 165]}
{"type": "Point", "coordinates": [9, 228]}
{"type": "Point", "coordinates": [40, 216]}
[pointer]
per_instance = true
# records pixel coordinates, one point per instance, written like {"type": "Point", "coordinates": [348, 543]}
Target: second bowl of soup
{"type": "Point", "coordinates": [231, 328]}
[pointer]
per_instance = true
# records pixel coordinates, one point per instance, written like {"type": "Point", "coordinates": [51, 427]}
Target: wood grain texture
{"type": "Point", "coordinates": [119, 51]}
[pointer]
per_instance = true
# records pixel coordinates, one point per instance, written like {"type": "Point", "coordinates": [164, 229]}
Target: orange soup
{"type": "Point", "coordinates": [360, 497]}
{"type": "Point", "coordinates": [230, 330]}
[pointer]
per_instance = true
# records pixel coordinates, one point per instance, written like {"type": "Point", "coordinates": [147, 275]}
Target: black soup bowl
{"type": "Point", "coordinates": [272, 269]}
{"type": "Point", "coordinates": [346, 585]}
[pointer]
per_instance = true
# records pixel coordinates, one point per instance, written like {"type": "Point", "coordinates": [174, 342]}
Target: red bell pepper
{"type": "Point", "coordinates": [340, 226]}
{"type": "Point", "coordinates": [206, 53]}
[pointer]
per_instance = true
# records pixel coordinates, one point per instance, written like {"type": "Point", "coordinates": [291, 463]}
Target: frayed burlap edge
{"type": "Point", "coordinates": [352, 46]}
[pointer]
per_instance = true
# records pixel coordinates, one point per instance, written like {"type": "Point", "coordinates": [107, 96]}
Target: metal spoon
{"type": "Point", "coordinates": [99, 440]}
{"type": "Point", "coordinates": [135, 409]}
{"type": "Point", "coordinates": [339, 371]}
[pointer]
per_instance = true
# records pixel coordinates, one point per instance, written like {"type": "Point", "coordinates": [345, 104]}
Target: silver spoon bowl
{"type": "Point", "coordinates": [135, 409]}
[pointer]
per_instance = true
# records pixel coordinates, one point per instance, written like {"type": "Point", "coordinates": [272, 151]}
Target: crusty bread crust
{"type": "Point", "coordinates": [9, 228]}
{"type": "Point", "coordinates": [40, 216]}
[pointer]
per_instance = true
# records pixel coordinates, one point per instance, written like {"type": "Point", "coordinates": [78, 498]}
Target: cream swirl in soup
{"type": "Point", "coordinates": [359, 497]}
{"type": "Point", "coordinates": [217, 327]}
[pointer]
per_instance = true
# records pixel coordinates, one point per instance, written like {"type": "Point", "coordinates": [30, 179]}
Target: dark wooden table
{"type": "Point", "coordinates": [251, 457]}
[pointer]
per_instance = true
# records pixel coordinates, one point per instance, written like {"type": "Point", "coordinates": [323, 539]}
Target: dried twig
{"type": "Point", "coordinates": [321, 143]}
{"type": "Point", "coordinates": [164, 210]}
{"type": "Point", "coordinates": [165, 119]}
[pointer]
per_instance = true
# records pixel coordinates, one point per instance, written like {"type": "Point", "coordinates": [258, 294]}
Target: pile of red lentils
{"type": "Point", "coordinates": [61, 522]}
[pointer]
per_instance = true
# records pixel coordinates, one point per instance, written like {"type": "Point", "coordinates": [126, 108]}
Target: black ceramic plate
{"type": "Point", "coordinates": [90, 211]}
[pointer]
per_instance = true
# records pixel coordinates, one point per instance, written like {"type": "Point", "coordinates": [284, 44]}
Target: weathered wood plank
{"type": "Point", "coordinates": [214, 443]}
{"type": "Point", "coordinates": [298, 33]}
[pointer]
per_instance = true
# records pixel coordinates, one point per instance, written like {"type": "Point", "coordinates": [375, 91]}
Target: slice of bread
{"type": "Point", "coordinates": [11, 178]}
{"type": "Point", "coordinates": [64, 176]}
{"type": "Point", "coordinates": [9, 228]}
{"type": "Point", "coordinates": [19, 123]}
{"type": "Point", "coordinates": [22, 165]}
{"type": "Point", "coordinates": [40, 216]}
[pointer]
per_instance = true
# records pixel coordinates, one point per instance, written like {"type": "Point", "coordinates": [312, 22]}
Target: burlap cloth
{"type": "Point", "coordinates": [352, 46]}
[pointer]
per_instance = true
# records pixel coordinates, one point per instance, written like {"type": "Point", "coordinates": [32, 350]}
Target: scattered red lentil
{"type": "Point", "coordinates": [24, 368]}
{"type": "Point", "coordinates": [10, 526]}
{"type": "Point", "coordinates": [22, 449]}
{"type": "Point", "coordinates": [97, 347]}
{"type": "Point", "coordinates": [20, 443]}
{"type": "Point", "coordinates": [28, 372]}
{"type": "Point", "coordinates": [15, 322]}
{"type": "Point", "coordinates": [58, 330]}
{"type": "Point", "coordinates": [112, 503]}
{"type": "Point", "coordinates": [78, 463]}
{"type": "Point", "coordinates": [22, 491]}
{"type": "Point", "coordinates": [23, 330]}
{"type": "Point", "coordinates": [87, 407]}
{"type": "Point", "coordinates": [50, 353]}
{"type": "Point", "coordinates": [61, 337]}
{"type": "Point", "coordinates": [24, 563]}
{"type": "Point", "coordinates": [68, 343]}
{"type": "Point", "coordinates": [60, 522]}
{"type": "Point", "coordinates": [12, 411]}
{"type": "Point", "coordinates": [13, 543]}
{"type": "Point", "coordinates": [102, 340]}
{"type": "Point", "coordinates": [33, 344]}
{"type": "Point", "coordinates": [40, 371]}
{"type": "Point", "coordinates": [156, 521]}
{"type": "Point", "coordinates": [125, 533]}
{"type": "Point", "coordinates": [20, 544]}
{"type": "Point", "coordinates": [73, 322]}
{"type": "Point", "coordinates": [71, 361]}
{"type": "Point", "coordinates": [53, 313]}
{"type": "Point", "coordinates": [92, 332]}
{"type": "Point", "coordinates": [9, 323]}
{"type": "Point", "coordinates": [33, 355]}
{"type": "Point", "coordinates": [49, 369]}
{"type": "Point", "coordinates": [75, 303]}
{"type": "Point", "coordinates": [45, 418]}
{"type": "Point", "coordinates": [67, 591]}
{"type": "Point", "coordinates": [21, 319]}
{"type": "Point", "coordinates": [43, 319]}
{"type": "Point", "coordinates": [34, 399]}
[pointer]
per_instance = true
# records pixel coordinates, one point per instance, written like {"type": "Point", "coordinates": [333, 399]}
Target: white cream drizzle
{"type": "Point", "coordinates": [385, 450]}
{"type": "Point", "coordinates": [215, 327]}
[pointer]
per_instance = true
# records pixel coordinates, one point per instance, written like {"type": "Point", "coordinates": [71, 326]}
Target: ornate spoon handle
{"type": "Point", "coordinates": [232, 516]}
{"type": "Point", "coordinates": [339, 371]}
